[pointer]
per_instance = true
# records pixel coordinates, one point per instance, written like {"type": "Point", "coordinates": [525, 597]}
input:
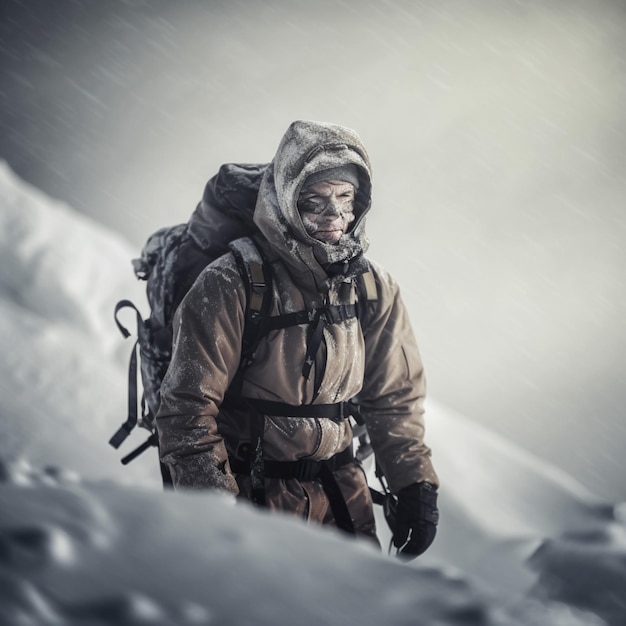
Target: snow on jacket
{"type": "Point", "coordinates": [380, 362]}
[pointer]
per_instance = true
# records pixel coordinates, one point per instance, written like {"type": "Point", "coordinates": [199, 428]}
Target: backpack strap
{"type": "Point", "coordinates": [257, 278]}
{"type": "Point", "coordinates": [367, 296]}
{"type": "Point", "coordinates": [133, 397]}
{"type": "Point", "coordinates": [255, 273]}
{"type": "Point", "coordinates": [131, 421]}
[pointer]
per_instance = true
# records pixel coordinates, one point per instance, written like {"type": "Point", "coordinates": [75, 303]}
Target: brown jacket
{"type": "Point", "coordinates": [379, 362]}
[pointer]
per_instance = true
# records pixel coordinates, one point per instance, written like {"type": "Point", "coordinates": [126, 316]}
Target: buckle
{"type": "Point", "coordinates": [306, 471]}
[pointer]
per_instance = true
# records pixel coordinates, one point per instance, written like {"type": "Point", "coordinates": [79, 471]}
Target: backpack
{"type": "Point", "coordinates": [172, 259]}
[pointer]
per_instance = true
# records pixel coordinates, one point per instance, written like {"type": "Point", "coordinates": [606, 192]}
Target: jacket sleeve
{"type": "Point", "coordinates": [208, 328]}
{"type": "Point", "coordinates": [394, 389]}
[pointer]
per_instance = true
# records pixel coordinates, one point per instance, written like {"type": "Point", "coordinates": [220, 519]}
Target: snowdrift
{"type": "Point", "coordinates": [80, 547]}
{"type": "Point", "coordinates": [92, 554]}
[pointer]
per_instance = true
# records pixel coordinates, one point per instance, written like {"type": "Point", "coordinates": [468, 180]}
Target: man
{"type": "Point", "coordinates": [288, 444]}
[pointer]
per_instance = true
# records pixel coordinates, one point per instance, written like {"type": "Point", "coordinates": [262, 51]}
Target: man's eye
{"type": "Point", "coordinates": [312, 207]}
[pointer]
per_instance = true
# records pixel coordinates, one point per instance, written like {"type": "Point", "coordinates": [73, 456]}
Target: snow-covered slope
{"type": "Point", "coordinates": [77, 547]}
{"type": "Point", "coordinates": [58, 264]}
{"type": "Point", "coordinates": [62, 371]}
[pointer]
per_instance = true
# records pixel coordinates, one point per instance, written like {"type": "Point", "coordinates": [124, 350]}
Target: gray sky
{"type": "Point", "coordinates": [498, 139]}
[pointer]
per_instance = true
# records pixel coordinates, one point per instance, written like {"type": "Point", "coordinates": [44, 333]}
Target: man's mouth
{"type": "Point", "coordinates": [331, 236]}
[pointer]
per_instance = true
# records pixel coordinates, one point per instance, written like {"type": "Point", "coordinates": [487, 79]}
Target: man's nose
{"type": "Point", "coordinates": [332, 208]}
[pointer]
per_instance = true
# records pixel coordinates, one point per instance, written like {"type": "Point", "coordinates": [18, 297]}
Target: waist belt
{"type": "Point", "coordinates": [303, 470]}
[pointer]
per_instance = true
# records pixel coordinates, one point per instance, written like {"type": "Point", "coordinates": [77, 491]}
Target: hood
{"type": "Point", "coordinates": [308, 147]}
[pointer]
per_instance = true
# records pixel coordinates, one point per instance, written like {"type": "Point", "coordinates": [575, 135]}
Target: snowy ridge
{"type": "Point", "coordinates": [78, 547]}
{"type": "Point", "coordinates": [62, 374]}
{"type": "Point", "coordinates": [59, 264]}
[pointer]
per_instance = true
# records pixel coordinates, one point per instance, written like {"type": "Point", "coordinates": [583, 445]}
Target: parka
{"type": "Point", "coordinates": [377, 362]}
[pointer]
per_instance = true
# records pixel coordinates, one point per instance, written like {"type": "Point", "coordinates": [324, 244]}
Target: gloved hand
{"type": "Point", "coordinates": [416, 519]}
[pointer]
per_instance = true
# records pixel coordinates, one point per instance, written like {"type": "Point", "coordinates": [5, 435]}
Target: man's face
{"type": "Point", "coordinates": [327, 209]}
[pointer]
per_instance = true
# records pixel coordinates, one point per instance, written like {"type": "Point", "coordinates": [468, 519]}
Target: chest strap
{"type": "Point", "coordinates": [337, 412]}
{"type": "Point", "coordinates": [331, 314]}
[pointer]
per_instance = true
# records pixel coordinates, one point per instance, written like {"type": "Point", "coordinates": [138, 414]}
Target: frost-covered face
{"type": "Point", "coordinates": [327, 209]}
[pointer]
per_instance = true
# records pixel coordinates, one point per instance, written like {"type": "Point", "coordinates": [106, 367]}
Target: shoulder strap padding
{"type": "Point", "coordinates": [367, 296]}
{"type": "Point", "coordinates": [255, 272]}
{"type": "Point", "coordinates": [251, 268]}
{"type": "Point", "coordinates": [369, 285]}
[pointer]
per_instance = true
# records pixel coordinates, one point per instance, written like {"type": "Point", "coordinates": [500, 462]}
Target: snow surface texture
{"type": "Point", "coordinates": [520, 543]}
{"type": "Point", "coordinates": [62, 372]}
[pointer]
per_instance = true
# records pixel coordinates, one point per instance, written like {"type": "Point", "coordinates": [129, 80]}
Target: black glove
{"type": "Point", "coordinates": [418, 515]}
